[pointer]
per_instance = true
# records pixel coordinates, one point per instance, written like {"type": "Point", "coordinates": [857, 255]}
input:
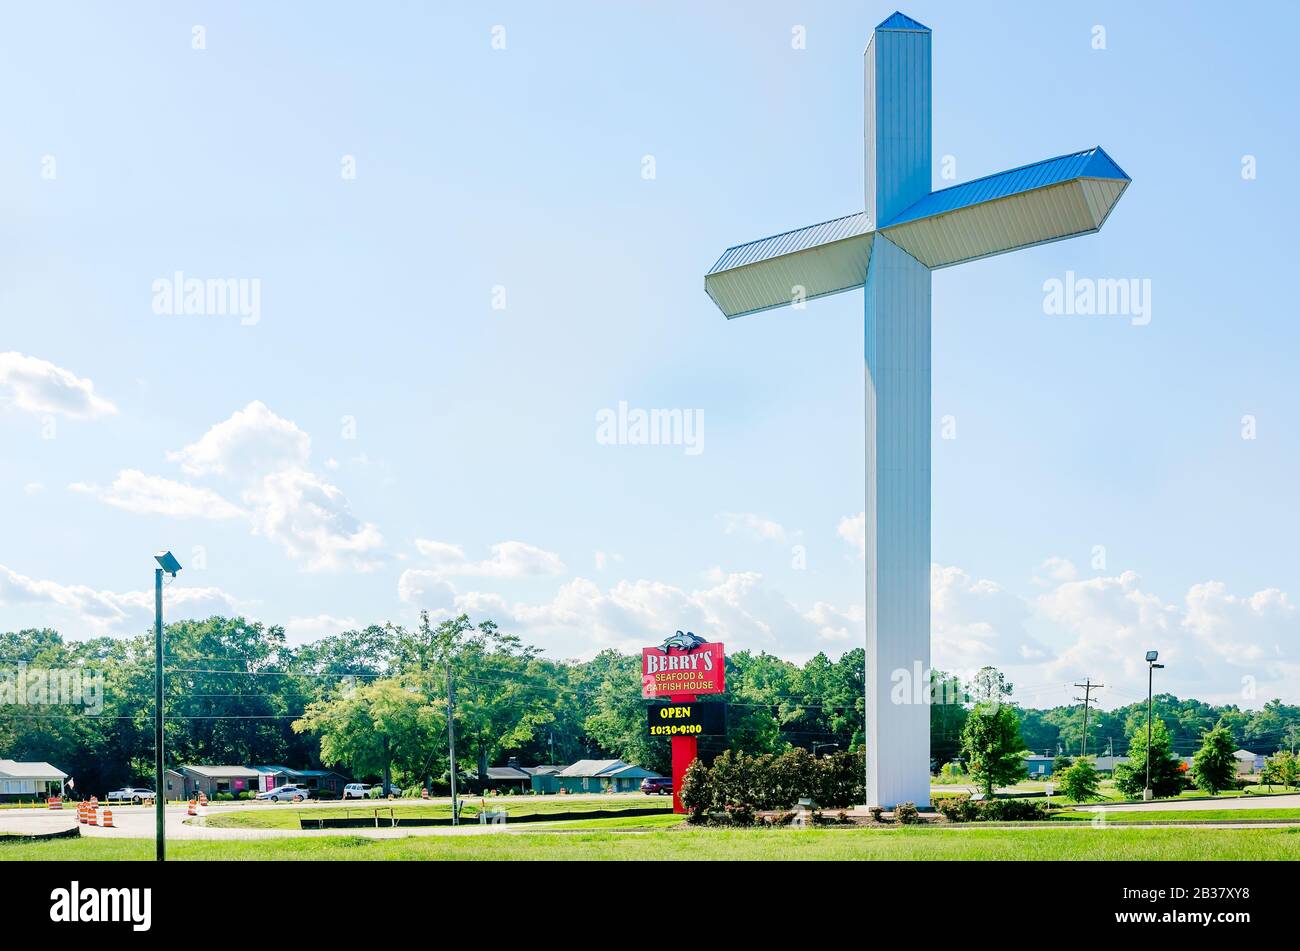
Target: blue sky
{"type": "Point", "coordinates": [383, 438]}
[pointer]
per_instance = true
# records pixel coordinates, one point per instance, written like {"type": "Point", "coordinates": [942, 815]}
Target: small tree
{"type": "Point", "coordinates": [990, 741]}
{"type": "Point", "coordinates": [1214, 768]}
{"type": "Point", "coordinates": [1166, 768]}
{"type": "Point", "coordinates": [1282, 769]}
{"type": "Point", "coordinates": [1061, 764]}
{"type": "Point", "coordinates": [1081, 781]}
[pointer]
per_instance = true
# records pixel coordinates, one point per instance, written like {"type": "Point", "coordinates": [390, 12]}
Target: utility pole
{"type": "Point", "coordinates": [451, 740]}
{"type": "Point", "coordinates": [1088, 686]}
{"type": "Point", "coordinates": [159, 790]}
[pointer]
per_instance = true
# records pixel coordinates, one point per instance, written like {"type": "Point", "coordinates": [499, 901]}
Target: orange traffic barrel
{"type": "Point", "coordinates": [192, 810]}
{"type": "Point", "coordinates": [108, 819]}
{"type": "Point", "coordinates": [92, 816]}
{"type": "Point", "coordinates": [81, 813]}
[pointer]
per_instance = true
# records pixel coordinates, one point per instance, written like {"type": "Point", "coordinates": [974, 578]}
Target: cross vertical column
{"type": "Point", "coordinates": [897, 351]}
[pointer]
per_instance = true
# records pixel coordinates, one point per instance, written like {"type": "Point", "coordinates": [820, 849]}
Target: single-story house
{"type": "Point", "coordinates": [1039, 766]}
{"type": "Point", "coordinates": [173, 785]}
{"type": "Point", "coordinates": [1248, 762]}
{"type": "Point", "coordinates": [506, 777]}
{"type": "Point", "coordinates": [316, 779]}
{"type": "Point", "coordinates": [211, 780]}
{"type": "Point", "coordinates": [593, 775]}
{"type": "Point", "coordinates": [29, 780]}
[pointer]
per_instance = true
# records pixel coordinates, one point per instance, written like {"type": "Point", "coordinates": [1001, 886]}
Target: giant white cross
{"type": "Point", "coordinates": [907, 231]}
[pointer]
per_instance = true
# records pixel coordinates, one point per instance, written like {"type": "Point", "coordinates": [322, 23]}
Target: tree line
{"type": "Point", "coordinates": [373, 703]}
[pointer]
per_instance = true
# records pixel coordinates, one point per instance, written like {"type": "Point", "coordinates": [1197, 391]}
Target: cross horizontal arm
{"type": "Point", "coordinates": [797, 265]}
{"type": "Point", "coordinates": [1047, 201]}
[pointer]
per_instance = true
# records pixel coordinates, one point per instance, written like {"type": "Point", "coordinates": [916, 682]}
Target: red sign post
{"type": "Point", "coordinates": [682, 669]}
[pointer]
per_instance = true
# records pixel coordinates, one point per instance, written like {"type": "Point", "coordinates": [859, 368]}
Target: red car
{"type": "Point", "coordinates": [657, 785]}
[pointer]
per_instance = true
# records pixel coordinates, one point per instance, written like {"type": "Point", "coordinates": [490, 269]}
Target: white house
{"type": "Point", "coordinates": [29, 780]}
{"type": "Point", "coordinates": [1248, 762]}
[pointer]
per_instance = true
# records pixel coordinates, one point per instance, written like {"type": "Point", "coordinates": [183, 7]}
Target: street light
{"type": "Point", "coordinates": [1151, 669]}
{"type": "Point", "coordinates": [167, 564]}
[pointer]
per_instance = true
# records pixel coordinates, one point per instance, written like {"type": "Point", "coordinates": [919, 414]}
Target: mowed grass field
{"type": "Point", "coordinates": [285, 816]}
{"type": "Point", "coordinates": [1048, 843]}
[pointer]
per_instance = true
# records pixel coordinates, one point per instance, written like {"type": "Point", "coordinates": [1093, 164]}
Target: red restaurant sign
{"type": "Point", "coordinates": [677, 672]}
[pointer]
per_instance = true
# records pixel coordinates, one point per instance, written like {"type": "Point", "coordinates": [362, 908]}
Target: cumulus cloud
{"type": "Point", "coordinates": [751, 526]}
{"type": "Point", "coordinates": [109, 612]}
{"type": "Point", "coordinates": [853, 529]}
{"type": "Point", "coordinates": [1245, 631]}
{"type": "Point", "coordinates": [1055, 569]}
{"type": "Point", "coordinates": [266, 457]}
{"type": "Point", "coordinates": [584, 617]}
{"type": "Point", "coordinates": [38, 386]}
{"type": "Point", "coordinates": [976, 623]}
{"type": "Point", "coordinates": [253, 442]}
{"type": "Point", "coordinates": [135, 491]}
{"type": "Point", "coordinates": [312, 520]}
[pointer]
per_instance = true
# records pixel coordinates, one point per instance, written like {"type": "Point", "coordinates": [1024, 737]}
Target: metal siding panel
{"type": "Point", "coordinates": [822, 270]}
{"type": "Point", "coordinates": [898, 121]}
{"type": "Point", "coordinates": [789, 242]}
{"type": "Point", "coordinates": [994, 227]}
{"type": "Point", "coordinates": [1002, 185]}
{"type": "Point", "coordinates": [898, 370]}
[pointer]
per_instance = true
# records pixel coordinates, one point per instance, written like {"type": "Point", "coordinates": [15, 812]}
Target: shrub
{"type": "Point", "coordinates": [697, 791]}
{"type": "Point", "coordinates": [1012, 810]}
{"type": "Point", "coordinates": [906, 813]}
{"type": "Point", "coordinates": [957, 808]}
{"type": "Point", "coordinates": [877, 813]}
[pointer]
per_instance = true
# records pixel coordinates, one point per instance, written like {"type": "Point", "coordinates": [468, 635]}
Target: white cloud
{"type": "Point", "coordinates": [509, 559]}
{"type": "Point", "coordinates": [38, 386]}
{"type": "Point", "coordinates": [853, 529]}
{"type": "Point", "coordinates": [135, 491]}
{"type": "Point", "coordinates": [109, 612]}
{"type": "Point", "coordinates": [976, 623]}
{"type": "Point", "coordinates": [751, 526]}
{"type": "Point", "coordinates": [251, 443]}
{"type": "Point", "coordinates": [1244, 631]}
{"type": "Point", "coordinates": [283, 500]}
{"type": "Point", "coordinates": [583, 618]}
{"type": "Point", "coordinates": [34, 488]}
{"type": "Point", "coordinates": [604, 558]}
{"type": "Point", "coordinates": [1056, 569]}
{"type": "Point", "coordinates": [312, 520]}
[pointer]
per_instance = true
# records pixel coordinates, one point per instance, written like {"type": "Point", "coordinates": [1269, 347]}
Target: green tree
{"type": "Point", "coordinates": [1166, 768]}
{"type": "Point", "coordinates": [1282, 769]}
{"type": "Point", "coordinates": [377, 726]}
{"type": "Point", "coordinates": [1061, 764]}
{"type": "Point", "coordinates": [1214, 768]}
{"type": "Point", "coordinates": [991, 740]}
{"type": "Point", "coordinates": [1081, 781]}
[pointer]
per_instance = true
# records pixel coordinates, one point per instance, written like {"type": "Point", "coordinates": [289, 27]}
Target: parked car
{"type": "Point", "coordinates": [292, 792]}
{"type": "Point", "coordinates": [657, 785]}
{"type": "Point", "coordinates": [356, 791]}
{"type": "Point", "coordinates": [131, 794]}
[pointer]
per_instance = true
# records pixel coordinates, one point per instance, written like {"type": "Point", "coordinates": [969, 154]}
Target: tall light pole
{"type": "Point", "coordinates": [1151, 669]}
{"type": "Point", "coordinates": [167, 564]}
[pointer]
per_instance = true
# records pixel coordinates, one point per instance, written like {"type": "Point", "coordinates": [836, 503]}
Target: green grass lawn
{"type": "Point", "coordinates": [1064, 843]}
{"type": "Point", "coordinates": [275, 816]}
{"type": "Point", "coordinates": [1180, 815]}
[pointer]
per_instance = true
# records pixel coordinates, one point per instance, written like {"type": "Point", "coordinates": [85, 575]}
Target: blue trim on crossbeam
{"type": "Point", "coordinates": [1090, 163]}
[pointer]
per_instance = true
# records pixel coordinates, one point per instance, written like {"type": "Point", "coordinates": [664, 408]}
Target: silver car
{"type": "Point", "coordinates": [131, 794]}
{"type": "Point", "coordinates": [289, 793]}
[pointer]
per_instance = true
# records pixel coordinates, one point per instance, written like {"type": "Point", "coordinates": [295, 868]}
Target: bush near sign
{"type": "Point", "coordinates": [686, 719]}
{"type": "Point", "coordinates": [681, 673]}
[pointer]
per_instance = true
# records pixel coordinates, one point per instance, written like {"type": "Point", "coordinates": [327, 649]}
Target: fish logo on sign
{"type": "Point", "coordinates": [682, 641]}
